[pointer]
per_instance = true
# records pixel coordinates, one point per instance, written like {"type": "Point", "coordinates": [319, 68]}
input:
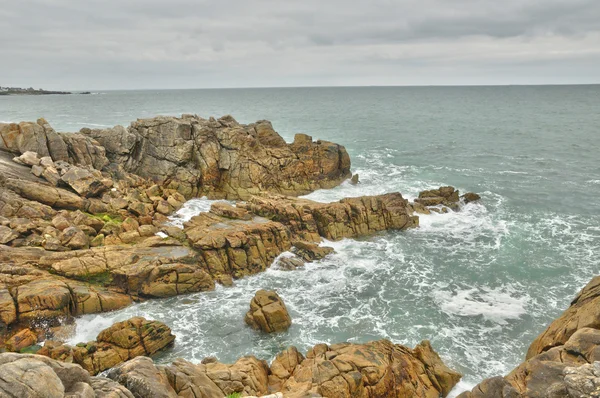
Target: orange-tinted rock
{"type": "Point", "coordinates": [268, 313]}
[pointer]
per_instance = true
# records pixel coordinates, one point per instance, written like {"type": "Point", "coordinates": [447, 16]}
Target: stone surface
{"type": "Point", "coordinates": [558, 361]}
{"type": "Point", "coordinates": [376, 369]}
{"type": "Point", "coordinates": [268, 313]}
{"type": "Point", "coordinates": [28, 158]}
{"type": "Point", "coordinates": [445, 196]}
{"type": "Point", "coordinates": [351, 217]}
{"type": "Point", "coordinates": [236, 247]}
{"type": "Point", "coordinates": [222, 158]}
{"type": "Point", "coordinates": [117, 344]}
{"type": "Point", "coordinates": [34, 376]}
{"type": "Point", "coordinates": [20, 340]}
{"type": "Point", "coordinates": [584, 312]}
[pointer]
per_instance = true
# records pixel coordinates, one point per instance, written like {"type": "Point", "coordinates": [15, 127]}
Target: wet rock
{"type": "Point", "coordinates": [446, 196]}
{"type": "Point", "coordinates": [311, 251]}
{"type": "Point", "coordinates": [20, 340]}
{"type": "Point", "coordinates": [236, 247]}
{"type": "Point", "coordinates": [119, 343]}
{"type": "Point", "coordinates": [354, 179]}
{"type": "Point", "coordinates": [268, 313]}
{"type": "Point", "coordinates": [470, 197]}
{"type": "Point", "coordinates": [289, 263]}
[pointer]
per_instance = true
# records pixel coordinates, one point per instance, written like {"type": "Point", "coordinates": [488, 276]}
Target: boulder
{"type": "Point", "coordinates": [446, 196]}
{"type": "Point", "coordinates": [20, 340]}
{"type": "Point", "coordinates": [7, 235]}
{"type": "Point", "coordinates": [143, 379]}
{"type": "Point", "coordinates": [226, 210]}
{"type": "Point", "coordinates": [268, 313]}
{"type": "Point", "coordinates": [236, 247]}
{"type": "Point", "coordinates": [28, 158]}
{"type": "Point", "coordinates": [470, 197]}
{"type": "Point", "coordinates": [85, 182]}
{"type": "Point", "coordinates": [310, 251]}
{"type": "Point", "coordinates": [289, 263]}
{"type": "Point", "coordinates": [32, 376]}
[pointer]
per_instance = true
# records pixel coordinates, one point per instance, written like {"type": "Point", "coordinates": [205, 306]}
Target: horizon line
{"type": "Point", "coordinates": [333, 86]}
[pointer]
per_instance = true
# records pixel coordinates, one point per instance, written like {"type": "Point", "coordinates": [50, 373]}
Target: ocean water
{"type": "Point", "coordinates": [480, 284]}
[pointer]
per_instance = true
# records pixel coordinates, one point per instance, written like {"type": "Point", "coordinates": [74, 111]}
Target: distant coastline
{"type": "Point", "coordinates": [32, 91]}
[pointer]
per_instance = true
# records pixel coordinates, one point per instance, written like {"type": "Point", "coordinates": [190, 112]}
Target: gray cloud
{"type": "Point", "coordinates": [190, 43]}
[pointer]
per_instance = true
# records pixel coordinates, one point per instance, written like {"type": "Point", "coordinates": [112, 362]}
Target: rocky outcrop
{"type": "Point", "coordinates": [268, 313]}
{"type": "Point", "coordinates": [29, 376]}
{"type": "Point", "coordinates": [221, 158]}
{"type": "Point", "coordinates": [558, 361]}
{"type": "Point", "coordinates": [377, 369]}
{"type": "Point", "coordinates": [351, 217]}
{"type": "Point", "coordinates": [236, 247]}
{"type": "Point", "coordinates": [584, 312]}
{"type": "Point", "coordinates": [40, 138]}
{"type": "Point", "coordinates": [117, 344]}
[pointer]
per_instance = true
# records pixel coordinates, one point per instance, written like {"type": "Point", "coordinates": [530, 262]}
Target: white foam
{"type": "Point", "coordinates": [192, 208]}
{"type": "Point", "coordinates": [461, 387]}
{"type": "Point", "coordinates": [495, 304]}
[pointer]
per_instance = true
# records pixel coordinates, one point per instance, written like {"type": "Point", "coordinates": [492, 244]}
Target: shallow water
{"type": "Point", "coordinates": [480, 283]}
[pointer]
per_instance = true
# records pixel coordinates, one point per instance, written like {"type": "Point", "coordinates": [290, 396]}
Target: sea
{"type": "Point", "coordinates": [480, 283]}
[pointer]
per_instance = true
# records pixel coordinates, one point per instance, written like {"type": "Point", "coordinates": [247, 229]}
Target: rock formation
{"type": "Point", "coordinates": [268, 312]}
{"type": "Point", "coordinates": [377, 369]}
{"type": "Point", "coordinates": [117, 344]}
{"type": "Point", "coordinates": [558, 361]}
{"type": "Point", "coordinates": [351, 217]}
{"type": "Point", "coordinates": [79, 214]}
{"type": "Point", "coordinates": [221, 158]}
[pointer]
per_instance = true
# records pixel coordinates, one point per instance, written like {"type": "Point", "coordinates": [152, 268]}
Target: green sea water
{"type": "Point", "coordinates": [480, 283]}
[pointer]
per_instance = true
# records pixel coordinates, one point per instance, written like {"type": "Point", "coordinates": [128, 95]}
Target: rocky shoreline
{"type": "Point", "coordinates": [84, 228]}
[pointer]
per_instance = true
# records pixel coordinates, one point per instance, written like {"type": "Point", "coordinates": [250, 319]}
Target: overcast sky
{"type": "Point", "coordinates": [112, 44]}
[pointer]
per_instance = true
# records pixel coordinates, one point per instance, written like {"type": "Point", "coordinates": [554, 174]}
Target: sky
{"type": "Point", "coordinates": [143, 44]}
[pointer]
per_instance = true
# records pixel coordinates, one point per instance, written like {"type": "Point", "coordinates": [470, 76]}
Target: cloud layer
{"type": "Point", "coordinates": [66, 44]}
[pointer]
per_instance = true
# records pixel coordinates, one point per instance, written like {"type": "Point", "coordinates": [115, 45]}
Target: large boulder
{"type": "Point", "coordinates": [268, 312]}
{"type": "Point", "coordinates": [222, 158]}
{"type": "Point", "coordinates": [87, 183]}
{"type": "Point", "coordinates": [35, 376]}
